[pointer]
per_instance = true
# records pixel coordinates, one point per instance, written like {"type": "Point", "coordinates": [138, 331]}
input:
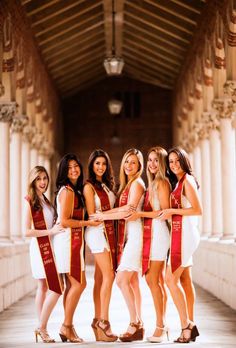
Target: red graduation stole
{"type": "Point", "coordinates": [76, 240]}
{"type": "Point", "coordinates": [45, 248]}
{"type": "Point", "coordinates": [123, 200]}
{"type": "Point", "coordinates": [109, 224]}
{"type": "Point", "coordinates": [176, 227]}
{"type": "Point", "coordinates": [147, 235]}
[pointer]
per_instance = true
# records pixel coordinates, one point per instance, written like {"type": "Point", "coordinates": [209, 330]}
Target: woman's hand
{"type": "Point", "coordinates": [94, 223]}
{"type": "Point", "coordinates": [132, 217]}
{"type": "Point", "coordinates": [57, 228]}
{"type": "Point", "coordinates": [165, 214]}
{"type": "Point", "coordinates": [98, 216]}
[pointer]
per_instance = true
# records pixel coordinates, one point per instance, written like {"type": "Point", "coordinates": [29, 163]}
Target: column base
{"type": "Point", "coordinates": [5, 240]}
{"type": "Point", "coordinates": [229, 238]}
{"type": "Point", "coordinates": [215, 237]}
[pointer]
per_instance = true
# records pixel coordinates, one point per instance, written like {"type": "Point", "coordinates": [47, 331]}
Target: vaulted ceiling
{"type": "Point", "coordinates": [74, 36]}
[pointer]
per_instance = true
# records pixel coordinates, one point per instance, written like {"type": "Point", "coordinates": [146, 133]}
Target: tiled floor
{"type": "Point", "coordinates": [216, 321]}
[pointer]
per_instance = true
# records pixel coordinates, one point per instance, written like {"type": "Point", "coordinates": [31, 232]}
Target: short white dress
{"type": "Point", "coordinates": [131, 259]}
{"type": "Point", "coordinates": [190, 232]}
{"type": "Point", "coordinates": [160, 234]}
{"type": "Point", "coordinates": [95, 235]}
{"type": "Point", "coordinates": [35, 256]}
{"type": "Point", "coordinates": [62, 244]}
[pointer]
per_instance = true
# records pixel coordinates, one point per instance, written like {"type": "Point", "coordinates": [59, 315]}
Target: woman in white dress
{"type": "Point", "coordinates": [99, 196]}
{"type": "Point", "coordinates": [37, 208]}
{"type": "Point", "coordinates": [156, 237]}
{"type": "Point", "coordinates": [69, 245]}
{"type": "Point", "coordinates": [185, 207]}
{"type": "Point", "coordinates": [130, 235]}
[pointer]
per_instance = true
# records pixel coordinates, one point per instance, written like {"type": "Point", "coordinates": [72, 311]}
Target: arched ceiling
{"type": "Point", "coordinates": [74, 36]}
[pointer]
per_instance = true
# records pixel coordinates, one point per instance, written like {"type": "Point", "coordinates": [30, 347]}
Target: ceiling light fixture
{"type": "Point", "coordinates": [113, 64]}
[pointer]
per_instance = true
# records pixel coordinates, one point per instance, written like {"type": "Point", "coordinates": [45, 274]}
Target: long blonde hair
{"type": "Point", "coordinates": [123, 177]}
{"type": "Point", "coordinates": [34, 173]}
{"type": "Point", "coordinates": [153, 179]}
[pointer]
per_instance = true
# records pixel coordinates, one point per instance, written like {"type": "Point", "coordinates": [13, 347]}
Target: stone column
{"type": "Point", "coordinates": [216, 179]}
{"type": "Point", "coordinates": [7, 111]}
{"type": "Point", "coordinates": [224, 108]}
{"type": "Point", "coordinates": [15, 177]}
{"type": "Point", "coordinates": [206, 179]}
{"type": "Point", "coordinates": [34, 148]}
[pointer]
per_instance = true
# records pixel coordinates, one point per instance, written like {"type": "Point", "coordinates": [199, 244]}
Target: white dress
{"type": "Point", "coordinates": [35, 256]}
{"type": "Point", "coordinates": [190, 232]}
{"type": "Point", "coordinates": [131, 259]}
{"type": "Point", "coordinates": [62, 244]}
{"type": "Point", "coordinates": [95, 235]}
{"type": "Point", "coordinates": [160, 234]}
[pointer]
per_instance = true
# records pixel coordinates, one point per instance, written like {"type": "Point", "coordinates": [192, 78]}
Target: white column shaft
{"type": "Point", "coordinates": [33, 158]}
{"type": "Point", "coordinates": [15, 185]}
{"type": "Point", "coordinates": [5, 181]}
{"type": "Point", "coordinates": [216, 184]}
{"type": "Point", "coordinates": [206, 187]}
{"type": "Point", "coordinates": [197, 173]}
{"type": "Point", "coordinates": [228, 177]}
{"type": "Point", "coordinates": [25, 169]}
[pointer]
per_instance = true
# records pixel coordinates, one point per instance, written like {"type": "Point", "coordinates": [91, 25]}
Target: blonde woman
{"type": "Point", "coordinates": [156, 238]}
{"type": "Point", "coordinates": [130, 235]}
{"type": "Point", "coordinates": [39, 217]}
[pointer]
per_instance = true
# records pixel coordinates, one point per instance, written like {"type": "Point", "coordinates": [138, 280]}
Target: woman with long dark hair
{"type": "Point", "coordinates": [185, 207]}
{"type": "Point", "coordinates": [69, 246]}
{"type": "Point", "coordinates": [100, 196]}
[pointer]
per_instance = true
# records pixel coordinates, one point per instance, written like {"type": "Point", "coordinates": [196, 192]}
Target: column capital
{"type": "Point", "coordinates": [7, 111]}
{"type": "Point", "coordinates": [214, 122]}
{"type": "Point", "coordinates": [224, 107]}
{"type": "Point", "coordinates": [204, 128]}
{"type": "Point", "coordinates": [18, 123]}
{"type": "Point", "coordinates": [230, 89]}
{"type": "Point", "coordinates": [37, 140]}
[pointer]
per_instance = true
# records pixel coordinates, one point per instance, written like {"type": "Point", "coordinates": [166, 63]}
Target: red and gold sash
{"type": "Point", "coordinates": [109, 224]}
{"type": "Point", "coordinates": [45, 248]}
{"type": "Point", "coordinates": [176, 227]}
{"type": "Point", "coordinates": [123, 200]}
{"type": "Point", "coordinates": [76, 241]}
{"type": "Point", "coordinates": [147, 235]}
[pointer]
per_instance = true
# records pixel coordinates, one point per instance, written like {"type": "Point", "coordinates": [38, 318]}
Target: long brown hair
{"type": "Point", "coordinates": [32, 193]}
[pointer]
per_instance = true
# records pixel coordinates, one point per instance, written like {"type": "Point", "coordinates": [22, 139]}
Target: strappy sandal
{"type": "Point", "coordinates": [136, 336]}
{"type": "Point", "coordinates": [70, 334]}
{"type": "Point", "coordinates": [102, 331]}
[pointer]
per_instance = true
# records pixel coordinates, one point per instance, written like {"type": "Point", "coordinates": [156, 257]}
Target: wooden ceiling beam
{"type": "Point", "coordinates": [85, 23]}
{"type": "Point", "coordinates": [59, 24]}
{"type": "Point", "coordinates": [78, 34]}
{"type": "Point", "coordinates": [149, 24]}
{"type": "Point", "coordinates": [151, 43]}
{"type": "Point", "coordinates": [192, 5]}
{"type": "Point", "coordinates": [148, 51]}
{"type": "Point", "coordinates": [96, 52]}
{"type": "Point", "coordinates": [80, 78]}
{"type": "Point", "coordinates": [38, 5]}
{"type": "Point", "coordinates": [137, 53]}
{"type": "Point", "coordinates": [82, 87]}
{"type": "Point", "coordinates": [85, 49]}
{"type": "Point", "coordinates": [167, 7]}
{"type": "Point", "coordinates": [143, 78]}
{"type": "Point", "coordinates": [76, 44]}
{"type": "Point", "coordinates": [155, 17]}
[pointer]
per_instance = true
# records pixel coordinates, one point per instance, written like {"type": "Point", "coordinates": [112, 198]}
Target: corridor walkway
{"type": "Point", "coordinates": [216, 321]}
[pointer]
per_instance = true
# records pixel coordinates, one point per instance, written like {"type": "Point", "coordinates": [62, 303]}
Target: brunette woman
{"type": "Point", "coordinates": [99, 196]}
{"type": "Point", "coordinates": [69, 245]}
{"type": "Point", "coordinates": [185, 207]}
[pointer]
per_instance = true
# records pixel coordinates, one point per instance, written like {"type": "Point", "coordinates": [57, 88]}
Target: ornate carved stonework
{"type": "Point", "coordinates": [2, 89]}
{"type": "Point", "coordinates": [220, 55]}
{"type": "Point", "coordinates": [198, 90]}
{"type": "Point", "coordinates": [184, 113]}
{"type": "Point", "coordinates": [18, 123]}
{"type": "Point", "coordinates": [27, 133]}
{"type": "Point", "coordinates": [230, 89]}
{"type": "Point", "coordinates": [37, 140]}
{"type": "Point", "coordinates": [190, 104]}
{"type": "Point", "coordinates": [214, 122]}
{"type": "Point", "coordinates": [232, 30]}
{"type": "Point", "coordinates": [224, 107]}
{"type": "Point", "coordinates": [208, 80]}
{"type": "Point", "coordinates": [7, 111]}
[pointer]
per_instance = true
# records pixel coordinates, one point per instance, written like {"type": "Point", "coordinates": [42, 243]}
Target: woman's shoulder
{"type": "Point", "coordinates": [139, 181]}
{"type": "Point", "coordinates": [191, 180]}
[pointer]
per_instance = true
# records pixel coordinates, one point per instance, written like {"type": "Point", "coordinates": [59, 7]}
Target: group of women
{"type": "Point", "coordinates": [141, 241]}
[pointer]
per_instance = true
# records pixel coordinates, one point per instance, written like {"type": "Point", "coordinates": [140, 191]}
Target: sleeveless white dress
{"type": "Point", "coordinates": [35, 256]}
{"type": "Point", "coordinates": [160, 234]}
{"type": "Point", "coordinates": [95, 235]}
{"type": "Point", "coordinates": [61, 244]}
{"type": "Point", "coordinates": [191, 235]}
{"type": "Point", "coordinates": [131, 259]}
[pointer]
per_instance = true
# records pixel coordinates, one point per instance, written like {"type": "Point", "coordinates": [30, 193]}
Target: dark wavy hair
{"type": "Point", "coordinates": [108, 176]}
{"type": "Point", "coordinates": [184, 163]}
{"type": "Point", "coordinates": [63, 180]}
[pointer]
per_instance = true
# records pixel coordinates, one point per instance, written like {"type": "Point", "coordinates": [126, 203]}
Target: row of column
{"type": "Point", "coordinates": [22, 148]}
{"type": "Point", "coordinates": [212, 147]}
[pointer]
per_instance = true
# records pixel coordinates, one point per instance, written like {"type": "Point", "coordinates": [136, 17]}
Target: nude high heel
{"type": "Point", "coordinates": [44, 336]}
{"type": "Point", "coordinates": [69, 334]}
{"type": "Point", "coordinates": [159, 339]}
